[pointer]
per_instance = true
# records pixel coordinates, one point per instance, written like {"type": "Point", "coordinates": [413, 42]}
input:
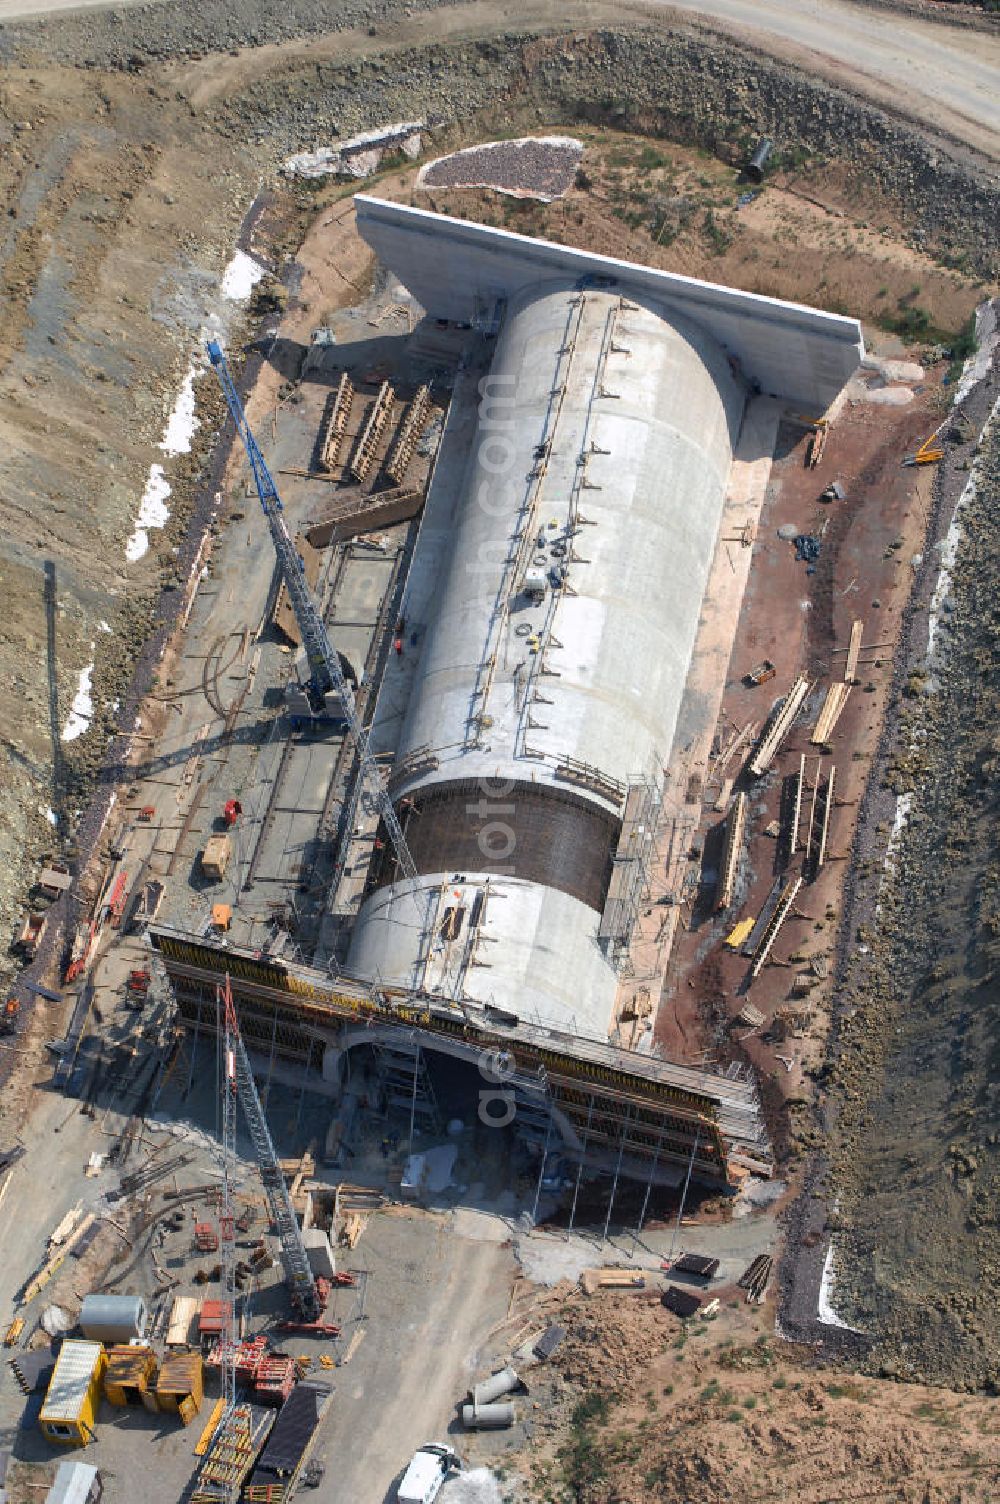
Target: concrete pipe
{"type": "Point", "coordinates": [493, 1387]}
{"type": "Point", "coordinates": [487, 1417]}
{"type": "Point", "coordinates": [754, 169]}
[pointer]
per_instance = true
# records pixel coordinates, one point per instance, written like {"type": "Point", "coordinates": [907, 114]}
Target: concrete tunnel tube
{"type": "Point", "coordinates": [602, 451]}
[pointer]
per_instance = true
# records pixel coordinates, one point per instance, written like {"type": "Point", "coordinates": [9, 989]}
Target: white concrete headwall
{"type": "Point", "coordinates": [454, 267]}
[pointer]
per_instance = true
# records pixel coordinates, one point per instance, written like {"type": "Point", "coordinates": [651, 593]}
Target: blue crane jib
{"type": "Point", "coordinates": [326, 672]}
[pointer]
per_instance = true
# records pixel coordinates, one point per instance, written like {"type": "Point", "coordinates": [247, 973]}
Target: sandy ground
{"type": "Point", "coordinates": [809, 236]}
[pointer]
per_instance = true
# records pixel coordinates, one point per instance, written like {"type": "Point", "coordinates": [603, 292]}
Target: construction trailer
{"type": "Point", "coordinates": [180, 1388]}
{"type": "Point", "coordinates": [69, 1409]}
{"type": "Point", "coordinates": [130, 1376]}
{"type": "Point", "coordinates": [114, 1318]}
{"type": "Point", "coordinates": [75, 1483]}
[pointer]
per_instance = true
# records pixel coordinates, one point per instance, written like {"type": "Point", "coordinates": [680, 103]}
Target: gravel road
{"type": "Point", "coordinates": [956, 72]}
{"type": "Point", "coordinates": [946, 75]}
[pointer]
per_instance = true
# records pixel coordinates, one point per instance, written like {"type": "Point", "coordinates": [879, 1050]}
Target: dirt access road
{"type": "Point", "coordinates": [946, 75]}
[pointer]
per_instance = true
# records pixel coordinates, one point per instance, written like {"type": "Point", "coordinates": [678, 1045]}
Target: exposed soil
{"type": "Point", "coordinates": [646, 1407]}
{"type": "Point", "coordinates": [804, 236]}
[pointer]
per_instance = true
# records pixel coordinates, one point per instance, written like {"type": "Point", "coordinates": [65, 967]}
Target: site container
{"type": "Point", "coordinates": [180, 1388]}
{"type": "Point", "coordinates": [113, 1318]}
{"type": "Point", "coordinates": [215, 857]}
{"type": "Point", "coordinates": [69, 1409]}
{"type": "Point", "coordinates": [130, 1377]}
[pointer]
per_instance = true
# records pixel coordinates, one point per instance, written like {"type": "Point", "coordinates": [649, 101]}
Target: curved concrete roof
{"type": "Point", "coordinates": [536, 951]}
{"type": "Point", "coordinates": [602, 452]}
{"type": "Point", "coordinates": [606, 431]}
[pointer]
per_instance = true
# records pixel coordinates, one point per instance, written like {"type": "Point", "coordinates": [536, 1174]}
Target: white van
{"type": "Point", "coordinates": [424, 1478]}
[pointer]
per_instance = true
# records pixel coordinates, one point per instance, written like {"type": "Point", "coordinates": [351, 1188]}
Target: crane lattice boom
{"type": "Point", "coordinates": [324, 662]}
{"type": "Point", "coordinates": [239, 1083]}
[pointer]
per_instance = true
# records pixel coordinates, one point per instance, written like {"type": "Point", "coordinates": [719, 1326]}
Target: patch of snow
{"type": "Point", "coordinates": [888, 396]}
{"type": "Point", "coordinates": [824, 1306]}
{"type": "Point", "coordinates": [358, 157]}
{"type": "Point", "coordinates": [978, 365]}
{"type": "Point", "coordinates": [49, 814]}
{"type": "Point", "coordinates": [241, 277]}
{"type": "Point", "coordinates": [82, 710]}
{"type": "Point", "coordinates": [904, 803]}
{"type": "Point", "coordinates": [102, 626]}
{"type": "Point", "coordinates": [153, 512]}
{"type": "Point", "coordinates": [893, 370]}
{"type": "Point", "coordinates": [949, 549]}
{"type": "Point", "coordinates": [182, 422]}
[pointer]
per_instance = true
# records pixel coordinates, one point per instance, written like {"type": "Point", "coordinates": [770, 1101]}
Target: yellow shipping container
{"type": "Point", "coordinates": [130, 1376]}
{"type": "Point", "coordinates": [70, 1406]}
{"type": "Point", "coordinates": [180, 1387]}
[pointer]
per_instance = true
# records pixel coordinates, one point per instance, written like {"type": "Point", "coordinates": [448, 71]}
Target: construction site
{"type": "Point", "coordinates": [438, 1015]}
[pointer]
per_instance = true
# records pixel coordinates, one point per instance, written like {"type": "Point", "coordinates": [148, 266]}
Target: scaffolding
{"type": "Point", "coordinates": [406, 1084]}
{"type": "Point", "coordinates": [296, 1011]}
{"type": "Point", "coordinates": [629, 883]}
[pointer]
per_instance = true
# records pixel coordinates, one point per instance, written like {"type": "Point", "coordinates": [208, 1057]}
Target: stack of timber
{"type": "Point", "coordinates": [854, 652]}
{"type": "Point", "coordinates": [232, 1452]}
{"type": "Point", "coordinates": [368, 442]}
{"type": "Point", "coordinates": [592, 1280]}
{"type": "Point", "coordinates": [755, 1277]}
{"type": "Point", "coordinates": [278, 1471]}
{"type": "Point", "coordinates": [406, 438]}
{"type": "Point", "coordinates": [353, 1205]}
{"type": "Point", "coordinates": [735, 829]}
{"type": "Point", "coordinates": [817, 442]}
{"type": "Point", "coordinates": [833, 706]}
{"type": "Point", "coordinates": [777, 728]}
{"type": "Point", "coordinates": [336, 424]}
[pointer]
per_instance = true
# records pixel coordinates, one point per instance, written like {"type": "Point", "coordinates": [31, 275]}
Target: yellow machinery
{"type": "Point", "coordinates": [930, 451]}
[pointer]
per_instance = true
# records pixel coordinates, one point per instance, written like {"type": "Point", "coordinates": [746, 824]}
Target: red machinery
{"type": "Point", "coordinates": [232, 812]}
{"type": "Point", "coordinates": [116, 902]}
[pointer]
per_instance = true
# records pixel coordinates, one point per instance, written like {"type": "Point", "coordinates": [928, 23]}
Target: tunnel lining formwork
{"type": "Point", "coordinates": [633, 1110]}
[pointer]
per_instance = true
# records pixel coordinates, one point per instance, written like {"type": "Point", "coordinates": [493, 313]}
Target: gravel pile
{"type": "Point", "coordinates": [541, 167]}
{"type": "Point", "coordinates": [129, 37]}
